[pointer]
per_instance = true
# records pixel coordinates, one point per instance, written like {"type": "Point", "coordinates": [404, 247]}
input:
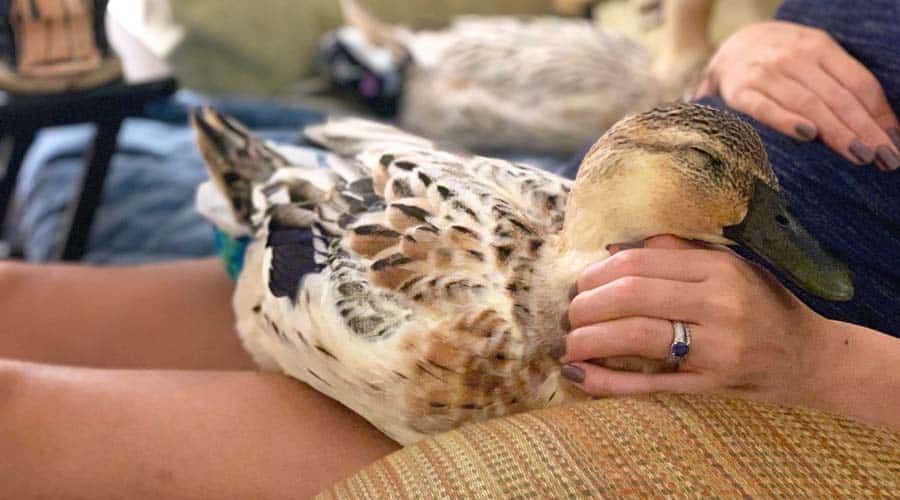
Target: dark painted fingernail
{"type": "Point", "coordinates": [894, 134]}
{"type": "Point", "coordinates": [573, 291]}
{"type": "Point", "coordinates": [558, 348]}
{"type": "Point", "coordinates": [564, 322]}
{"type": "Point", "coordinates": [861, 152]}
{"type": "Point", "coordinates": [806, 132]}
{"type": "Point", "coordinates": [573, 373]}
{"type": "Point", "coordinates": [887, 158]}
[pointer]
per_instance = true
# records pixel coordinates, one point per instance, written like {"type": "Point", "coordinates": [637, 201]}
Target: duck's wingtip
{"type": "Point", "coordinates": [235, 158]}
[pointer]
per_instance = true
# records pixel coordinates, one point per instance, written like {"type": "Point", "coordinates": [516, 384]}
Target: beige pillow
{"type": "Point", "coordinates": [663, 446]}
{"type": "Point", "coordinates": [265, 46]}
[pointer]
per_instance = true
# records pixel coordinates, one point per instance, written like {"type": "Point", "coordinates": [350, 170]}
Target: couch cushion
{"type": "Point", "coordinates": [664, 445]}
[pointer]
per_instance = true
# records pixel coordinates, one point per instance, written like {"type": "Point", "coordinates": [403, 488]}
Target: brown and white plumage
{"type": "Point", "coordinates": [443, 276]}
{"type": "Point", "coordinates": [417, 317]}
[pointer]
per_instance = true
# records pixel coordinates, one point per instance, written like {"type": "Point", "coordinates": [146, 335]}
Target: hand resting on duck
{"type": "Point", "coordinates": [752, 338]}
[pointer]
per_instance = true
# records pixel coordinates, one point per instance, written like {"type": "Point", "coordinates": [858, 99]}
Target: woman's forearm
{"type": "Point", "coordinates": [857, 374]}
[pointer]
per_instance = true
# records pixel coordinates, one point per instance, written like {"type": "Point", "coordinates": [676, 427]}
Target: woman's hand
{"type": "Point", "coordinates": [799, 81]}
{"type": "Point", "coordinates": [752, 338]}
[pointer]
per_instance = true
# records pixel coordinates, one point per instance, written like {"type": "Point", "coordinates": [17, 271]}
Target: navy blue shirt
{"type": "Point", "coordinates": [854, 211]}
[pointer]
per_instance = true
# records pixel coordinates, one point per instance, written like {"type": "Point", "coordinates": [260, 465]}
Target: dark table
{"type": "Point", "coordinates": [21, 117]}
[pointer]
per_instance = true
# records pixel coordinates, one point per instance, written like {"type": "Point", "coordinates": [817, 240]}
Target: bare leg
{"type": "Point", "coordinates": [174, 315]}
{"type": "Point", "coordinates": [76, 432]}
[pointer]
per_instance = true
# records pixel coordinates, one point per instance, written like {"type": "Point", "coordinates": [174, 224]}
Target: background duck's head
{"type": "Point", "coordinates": [698, 173]}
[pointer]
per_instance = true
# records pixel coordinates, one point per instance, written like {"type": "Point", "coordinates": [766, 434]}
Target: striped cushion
{"type": "Point", "coordinates": [655, 446]}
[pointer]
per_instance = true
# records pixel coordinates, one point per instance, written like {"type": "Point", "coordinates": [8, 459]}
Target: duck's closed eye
{"type": "Point", "coordinates": [712, 162]}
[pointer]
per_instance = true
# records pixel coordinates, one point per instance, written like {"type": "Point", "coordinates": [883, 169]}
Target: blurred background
{"type": "Point", "coordinates": [102, 167]}
{"type": "Point", "coordinates": [266, 46]}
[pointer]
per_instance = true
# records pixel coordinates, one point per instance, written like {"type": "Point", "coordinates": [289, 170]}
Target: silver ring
{"type": "Point", "coordinates": [681, 345]}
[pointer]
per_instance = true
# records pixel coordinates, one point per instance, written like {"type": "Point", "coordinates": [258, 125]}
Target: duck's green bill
{"type": "Point", "coordinates": [772, 232]}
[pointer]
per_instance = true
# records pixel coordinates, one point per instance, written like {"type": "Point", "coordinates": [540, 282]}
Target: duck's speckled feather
{"type": "Point", "coordinates": [416, 317]}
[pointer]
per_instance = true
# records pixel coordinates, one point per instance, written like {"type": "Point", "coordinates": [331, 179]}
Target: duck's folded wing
{"type": "Point", "coordinates": [349, 137]}
{"type": "Point", "coordinates": [415, 318]}
{"type": "Point", "coordinates": [538, 193]}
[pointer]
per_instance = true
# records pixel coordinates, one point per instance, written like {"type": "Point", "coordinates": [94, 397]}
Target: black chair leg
{"type": "Point", "coordinates": [81, 215]}
{"type": "Point", "coordinates": [21, 141]}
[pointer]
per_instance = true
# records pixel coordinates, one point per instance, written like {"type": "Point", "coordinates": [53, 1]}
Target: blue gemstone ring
{"type": "Point", "coordinates": [681, 345]}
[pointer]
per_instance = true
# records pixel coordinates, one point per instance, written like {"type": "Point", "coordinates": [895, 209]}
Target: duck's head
{"type": "Point", "coordinates": [698, 173]}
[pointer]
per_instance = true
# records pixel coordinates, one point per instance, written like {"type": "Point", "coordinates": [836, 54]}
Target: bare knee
{"type": "Point", "coordinates": [12, 376]}
{"type": "Point", "coordinates": [12, 276]}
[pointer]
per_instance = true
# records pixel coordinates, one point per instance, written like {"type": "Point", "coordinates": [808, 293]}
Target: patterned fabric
{"type": "Point", "coordinates": [664, 445]}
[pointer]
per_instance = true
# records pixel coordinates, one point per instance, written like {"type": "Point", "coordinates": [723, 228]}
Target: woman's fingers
{"type": "Point", "coordinates": [801, 82]}
{"type": "Point", "coordinates": [835, 114]}
{"type": "Point", "coordinates": [856, 78]}
{"type": "Point", "coordinates": [656, 282]}
{"type": "Point", "coordinates": [654, 258]}
{"type": "Point", "coordinates": [881, 132]}
{"type": "Point", "coordinates": [673, 243]}
{"type": "Point", "coordinates": [643, 337]}
{"type": "Point", "coordinates": [870, 141]}
{"type": "Point", "coordinates": [769, 111]}
{"type": "Point", "coordinates": [780, 102]}
{"type": "Point", "coordinates": [668, 241]}
{"type": "Point", "coordinates": [831, 117]}
{"type": "Point", "coordinates": [661, 263]}
{"type": "Point", "coordinates": [602, 382]}
{"type": "Point", "coordinates": [637, 296]}
{"type": "Point", "coordinates": [647, 338]}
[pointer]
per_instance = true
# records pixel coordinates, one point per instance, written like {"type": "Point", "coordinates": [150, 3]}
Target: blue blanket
{"type": "Point", "coordinates": [147, 212]}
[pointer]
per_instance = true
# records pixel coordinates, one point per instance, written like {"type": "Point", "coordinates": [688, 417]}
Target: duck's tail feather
{"type": "Point", "coordinates": [236, 160]}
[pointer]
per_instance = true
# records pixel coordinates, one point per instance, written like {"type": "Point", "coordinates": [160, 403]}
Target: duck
{"type": "Point", "coordinates": [441, 276]}
{"type": "Point", "coordinates": [537, 85]}
{"type": "Point", "coordinates": [682, 34]}
{"type": "Point", "coordinates": [649, 11]}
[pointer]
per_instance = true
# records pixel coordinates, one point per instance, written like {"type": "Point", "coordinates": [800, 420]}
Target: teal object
{"type": "Point", "coordinates": [231, 250]}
